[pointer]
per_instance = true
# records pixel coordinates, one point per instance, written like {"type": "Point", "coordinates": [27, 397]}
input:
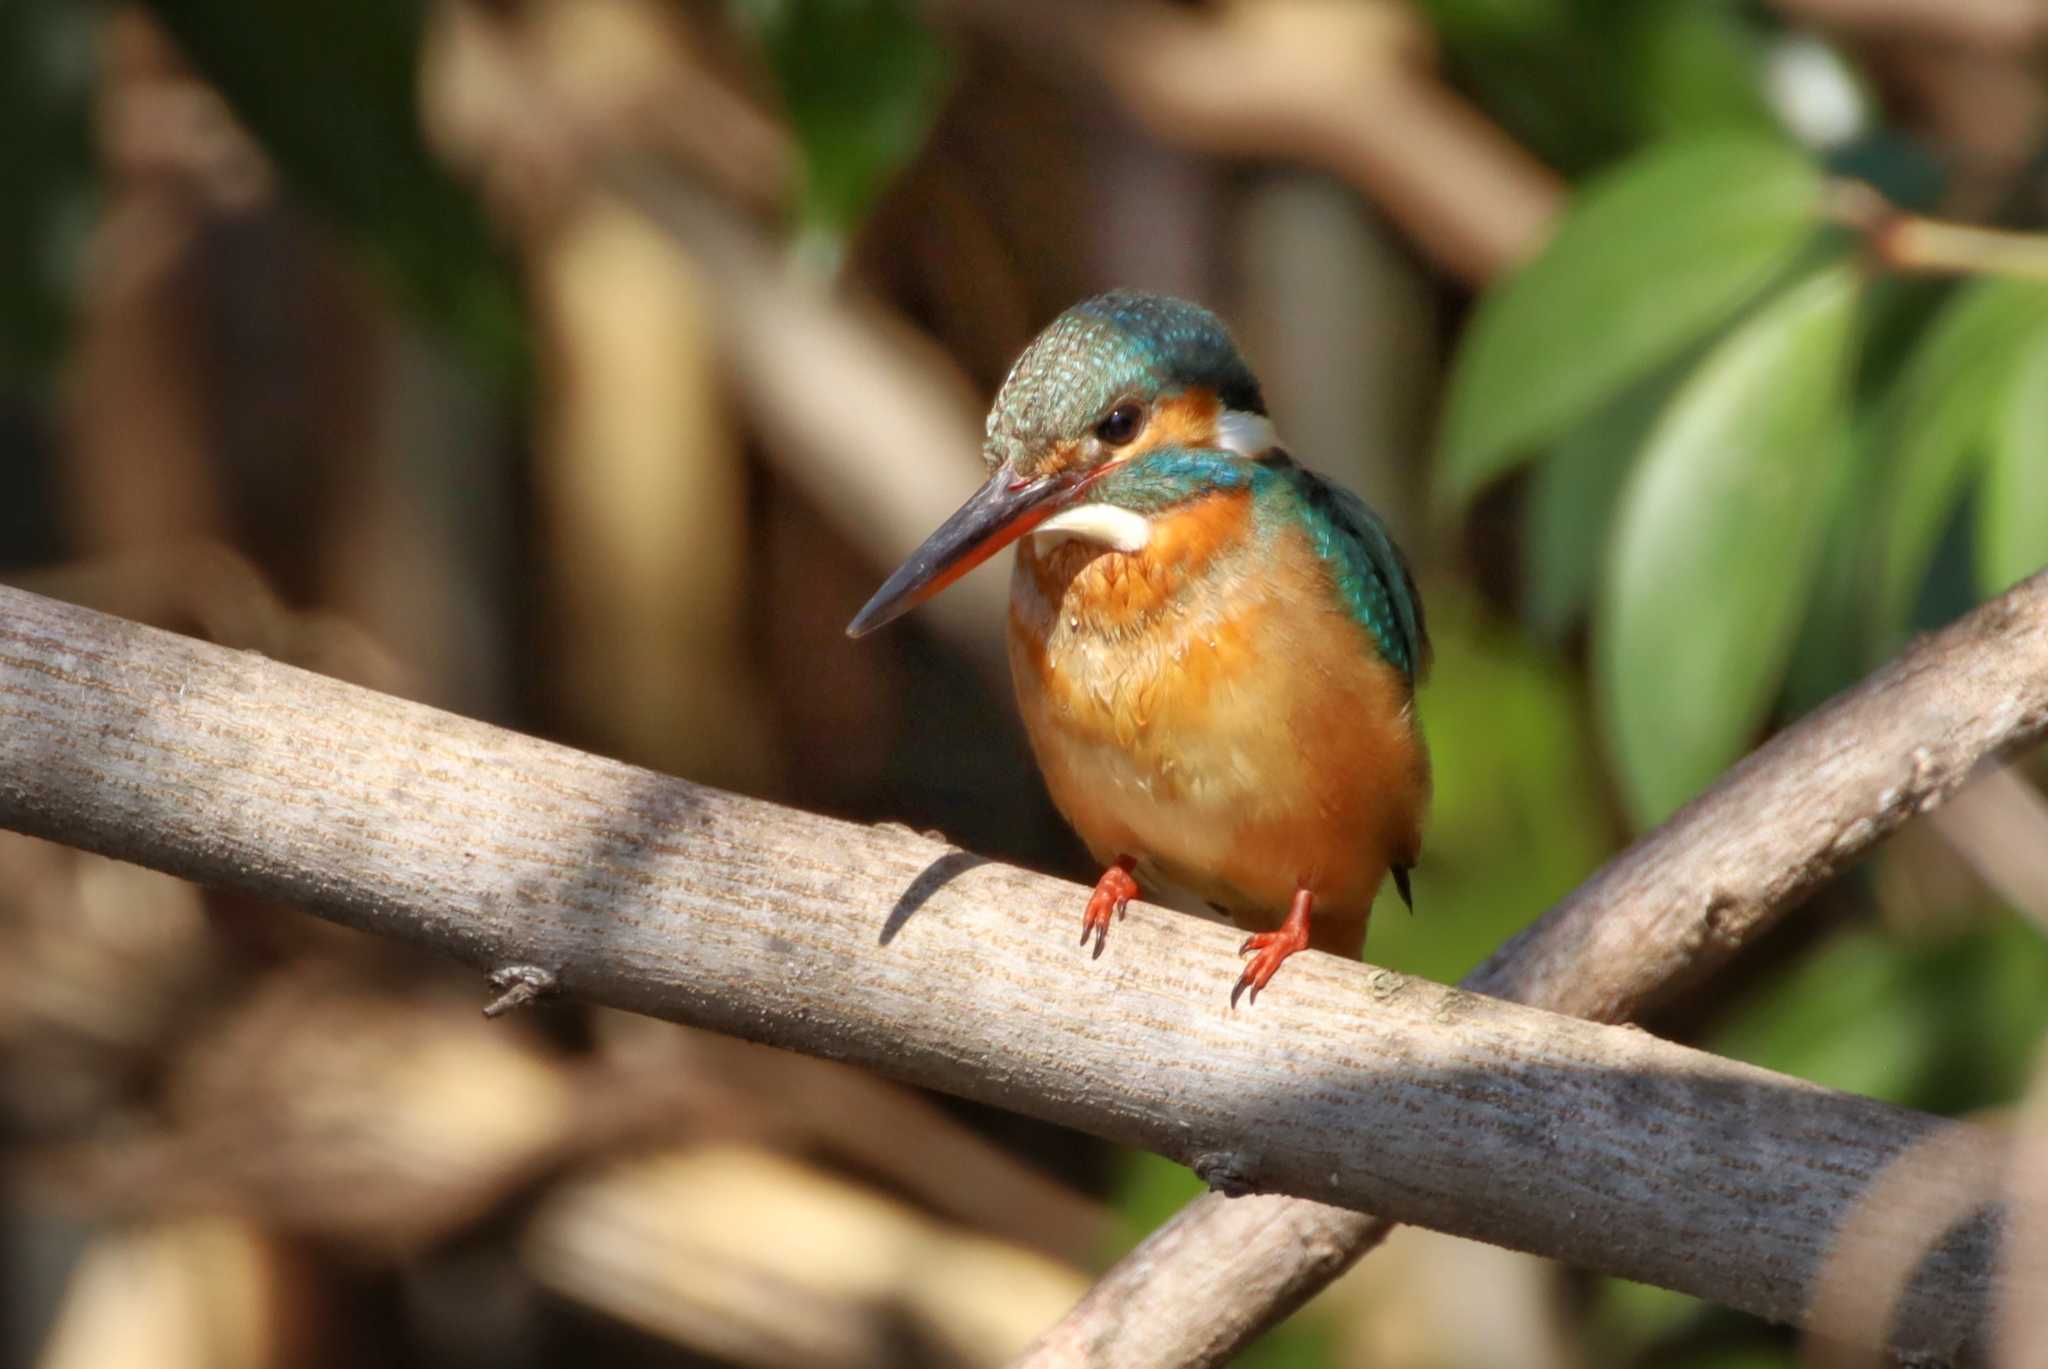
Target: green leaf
{"type": "Point", "coordinates": [1829, 653]}
{"type": "Point", "coordinates": [1938, 417]}
{"type": "Point", "coordinates": [1717, 539]}
{"type": "Point", "coordinates": [2012, 503]}
{"type": "Point", "coordinates": [1697, 66]}
{"type": "Point", "coordinates": [1648, 259]}
{"type": "Point", "coordinates": [861, 80]}
{"type": "Point", "coordinates": [1980, 998]}
{"type": "Point", "coordinates": [331, 91]}
{"type": "Point", "coordinates": [1572, 498]}
{"type": "Point", "coordinates": [46, 163]}
{"type": "Point", "coordinates": [1945, 1023]}
{"type": "Point", "coordinates": [1465, 22]}
{"type": "Point", "coordinates": [1636, 1324]}
{"type": "Point", "coordinates": [1842, 1015]}
{"type": "Point", "coordinates": [1519, 815]}
{"type": "Point", "coordinates": [1551, 74]}
{"type": "Point", "coordinates": [1627, 1319]}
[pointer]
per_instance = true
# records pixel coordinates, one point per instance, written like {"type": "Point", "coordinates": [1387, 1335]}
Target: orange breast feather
{"type": "Point", "coordinates": [1206, 706]}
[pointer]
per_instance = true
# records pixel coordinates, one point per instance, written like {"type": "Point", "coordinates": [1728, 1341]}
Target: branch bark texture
{"type": "Point", "coordinates": [1662, 915]}
{"type": "Point", "coordinates": [1601, 1146]}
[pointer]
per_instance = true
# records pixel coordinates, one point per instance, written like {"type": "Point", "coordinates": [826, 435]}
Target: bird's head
{"type": "Point", "coordinates": [1112, 379]}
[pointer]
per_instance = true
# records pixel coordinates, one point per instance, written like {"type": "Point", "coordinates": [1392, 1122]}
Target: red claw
{"type": "Point", "coordinates": [1274, 947]}
{"type": "Point", "coordinates": [1112, 896]}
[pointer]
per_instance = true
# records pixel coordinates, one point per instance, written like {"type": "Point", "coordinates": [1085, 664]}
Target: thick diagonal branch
{"type": "Point", "coordinates": [1667, 911]}
{"type": "Point", "coordinates": [1598, 1145]}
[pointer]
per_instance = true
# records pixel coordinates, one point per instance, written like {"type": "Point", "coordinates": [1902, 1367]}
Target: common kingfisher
{"type": "Point", "coordinates": [1215, 650]}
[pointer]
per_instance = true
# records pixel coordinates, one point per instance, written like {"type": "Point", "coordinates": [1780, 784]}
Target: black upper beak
{"type": "Point", "coordinates": [996, 515]}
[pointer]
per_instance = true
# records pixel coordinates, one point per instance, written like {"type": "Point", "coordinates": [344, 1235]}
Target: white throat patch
{"type": "Point", "coordinates": [1241, 433]}
{"type": "Point", "coordinates": [1247, 434]}
{"type": "Point", "coordinates": [1103, 524]}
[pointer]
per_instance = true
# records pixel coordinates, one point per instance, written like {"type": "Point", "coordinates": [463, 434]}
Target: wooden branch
{"type": "Point", "coordinates": [1601, 1146]}
{"type": "Point", "coordinates": [1661, 915]}
{"type": "Point", "coordinates": [1680, 902]}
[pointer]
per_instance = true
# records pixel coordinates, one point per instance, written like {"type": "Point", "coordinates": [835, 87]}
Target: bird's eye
{"type": "Point", "coordinates": [1121, 424]}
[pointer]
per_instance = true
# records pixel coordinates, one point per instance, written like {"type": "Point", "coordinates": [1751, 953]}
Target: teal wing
{"type": "Point", "coordinates": [1370, 572]}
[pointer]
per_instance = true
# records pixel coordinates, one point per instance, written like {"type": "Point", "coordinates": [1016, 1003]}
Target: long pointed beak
{"type": "Point", "coordinates": [996, 515]}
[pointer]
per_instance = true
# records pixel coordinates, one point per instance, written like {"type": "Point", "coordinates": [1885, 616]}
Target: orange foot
{"type": "Point", "coordinates": [1274, 947]}
{"type": "Point", "coordinates": [1113, 895]}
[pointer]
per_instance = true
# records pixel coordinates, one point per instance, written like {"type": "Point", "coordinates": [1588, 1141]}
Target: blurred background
{"type": "Point", "coordinates": [583, 364]}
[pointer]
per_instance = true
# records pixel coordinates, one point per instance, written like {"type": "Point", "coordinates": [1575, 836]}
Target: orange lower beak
{"type": "Point", "coordinates": [996, 515]}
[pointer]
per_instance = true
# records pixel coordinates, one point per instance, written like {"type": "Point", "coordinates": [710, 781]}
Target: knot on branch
{"type": "Point", "coordinates": [518, 986]}
{"type": "Point", "coordinates": [1228, 1172]}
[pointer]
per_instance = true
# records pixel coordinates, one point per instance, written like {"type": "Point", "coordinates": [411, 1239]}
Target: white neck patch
{"type": "Point", "coordinates": [1239, 432]}
{"type": "Point", "coordinates": [1105, 525]}
{"type": "Point", "coordinates": [1247, 434]}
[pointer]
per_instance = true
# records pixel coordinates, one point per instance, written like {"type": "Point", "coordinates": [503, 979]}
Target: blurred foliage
{"type": "Point", "coordinates": [1749, 502]}
{"type": "Point", "coordinates": [860, 82]}
{"type": "Point", "coordinates": [1514, 772]}
{"type": "Point", "coordinates": [1696, 624]}
{"type": "Point", "coordinates": [2012, 503]}
{"type": "Point", "coordinates": [1572, 499]}
{"type": "Point", "coordinates": [1938, 420]}
{"type": "Point", "coordinates": [1581, 82]}
{"type": "Point", "coordinates": [1626, 284]}
{"type": "Point", "coordinates": [1635, 1323]}
{"type": "Point", "coordinates": [1687, 480]}
{"type": "Point", "coordinates": [332, 93]}
{"type": "Point", "coordinates": [1752, 460]}
{"type": "Point", "coordinates": [46, 75]}
{"type": "Point", "coordinates": [1947, 1023]}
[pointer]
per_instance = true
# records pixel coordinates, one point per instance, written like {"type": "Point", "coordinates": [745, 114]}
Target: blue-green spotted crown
{"type": "Point", "coordinates": [1124, 343]}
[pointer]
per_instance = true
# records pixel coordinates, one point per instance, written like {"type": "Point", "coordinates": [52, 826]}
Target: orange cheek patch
{"type": "Point", "coordinates": [1187, 419]}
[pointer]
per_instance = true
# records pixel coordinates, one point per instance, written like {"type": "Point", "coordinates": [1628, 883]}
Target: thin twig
{"type": "Point", "coordinates": [1933, 247]}
{"type": "Point", "coordinates": [1907, 242]}
{"type": "Point", "coordinates": [517, 986]}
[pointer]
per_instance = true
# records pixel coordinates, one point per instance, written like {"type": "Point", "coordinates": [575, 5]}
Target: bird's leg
{"type": "Point", "coordinates": [1113, 894]}
{"type": "Point", "coordinates": [1274, 946]}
